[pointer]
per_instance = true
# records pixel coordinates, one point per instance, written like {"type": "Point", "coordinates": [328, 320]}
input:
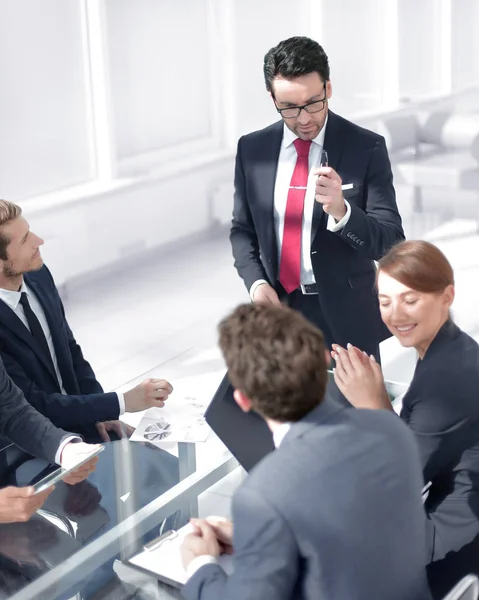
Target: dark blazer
{"type": "Point", "coordinates": [85, 403]}
{"type": "Point", "coordinates": [442, 409]}
{"type": "Point", "coordinates": [343, 262]}
{"type": "Point", "coordinates": [23, 425]}
{"type": "Point", "coordinates": [332, 513]}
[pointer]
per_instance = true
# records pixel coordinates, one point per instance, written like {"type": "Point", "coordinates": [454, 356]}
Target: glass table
{"type": "Point", "coordinates": [77, 546]}
{"type": "Point", "coordinates": [84, 558]}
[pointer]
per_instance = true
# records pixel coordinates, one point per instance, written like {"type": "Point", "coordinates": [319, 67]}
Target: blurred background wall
{"type": "Point", "coordinates": [119, 119]}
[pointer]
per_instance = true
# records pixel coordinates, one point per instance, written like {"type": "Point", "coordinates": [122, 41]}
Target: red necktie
{"type": "Point", "coordinates": [289, 266]}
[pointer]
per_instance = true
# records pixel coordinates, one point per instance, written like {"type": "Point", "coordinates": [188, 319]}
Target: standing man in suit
{"type": "Point", "coordinates": [305, 233]}
{"type": "Point", "coordinates": [39, 350]}
{"type": "Point", "coordinates": [336, 510]}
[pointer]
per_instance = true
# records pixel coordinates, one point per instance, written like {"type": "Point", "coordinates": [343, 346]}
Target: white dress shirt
{"type": "Point", "coordinates": [279, 434]}
{"type": "Point", "coordinates": [286, 164]}
{"type": "Point", "coordinates": [12, 299]}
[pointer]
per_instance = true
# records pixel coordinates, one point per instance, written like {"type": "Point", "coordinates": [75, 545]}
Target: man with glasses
{"type": "Point", "coordinates": [314, 203]}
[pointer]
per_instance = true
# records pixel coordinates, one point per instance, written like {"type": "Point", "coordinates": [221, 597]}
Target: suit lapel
{"type": "Point", "coordinates": [48, 310]}
{"type": "Point", "coordinates": [9, 319]}
{"type": "Point", "coordinates": [267, 170]}
{"type": "Point", "coordinates": [334, 147]}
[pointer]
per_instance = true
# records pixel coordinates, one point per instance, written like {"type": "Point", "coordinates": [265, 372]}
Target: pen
{"type": "Point", "coordinates": [157, 542]}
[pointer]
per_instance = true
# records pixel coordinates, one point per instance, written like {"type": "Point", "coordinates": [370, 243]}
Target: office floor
{"type": "Point", "coordinates": [160, 316]}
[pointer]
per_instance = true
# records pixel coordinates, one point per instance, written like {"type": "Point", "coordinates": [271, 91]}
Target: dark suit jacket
{"type": "Point", "coordinates": [85, 403]}
{"type": "Point", "coordinates": [335, 512]}
{"type": "Point", "coordinates": [442, 408]}
{"type": "Point", "coordinates": [23, 425]}
{"type": "Point", "coordinates": [343, 262]}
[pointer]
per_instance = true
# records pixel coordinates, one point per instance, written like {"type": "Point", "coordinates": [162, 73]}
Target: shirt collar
{"type": "Point", "coordinates": [12, 298]}
{"type": "Point", "coordinates": [280, 432]}
{"type": "Point", "coordinates": [289, 137]}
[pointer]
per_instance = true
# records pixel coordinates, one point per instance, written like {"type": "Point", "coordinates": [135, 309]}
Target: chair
{"type": "Point", "coordinates": [466, 589]}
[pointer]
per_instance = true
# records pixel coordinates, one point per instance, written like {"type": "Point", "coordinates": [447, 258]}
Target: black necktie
{"type": "Point", "coordinates": [35, 328]}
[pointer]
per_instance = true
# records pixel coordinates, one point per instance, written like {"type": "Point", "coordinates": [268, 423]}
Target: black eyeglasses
{"type": "Point", "coordinates": [292, 112]}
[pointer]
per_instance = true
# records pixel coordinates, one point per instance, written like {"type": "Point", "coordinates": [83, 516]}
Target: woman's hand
{"type": "Point", "coordinates": [359, 378]}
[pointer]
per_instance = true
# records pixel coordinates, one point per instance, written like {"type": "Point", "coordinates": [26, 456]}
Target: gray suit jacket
{"type": "Point", "coordinates": [23, 425]}
{"type": "Point", "coordinates": [335, 513]}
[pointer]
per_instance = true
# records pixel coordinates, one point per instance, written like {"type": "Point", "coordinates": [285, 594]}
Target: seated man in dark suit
{"type": "Point", "coordinates": [335, 511]}
{"type": "Point", "coordinates": [31, 431]}
{"type": "Point", "coordinates": [38, 347]}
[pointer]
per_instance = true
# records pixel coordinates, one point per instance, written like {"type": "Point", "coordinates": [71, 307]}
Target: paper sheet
{"type": "Point", "coordinates": [180, 420]}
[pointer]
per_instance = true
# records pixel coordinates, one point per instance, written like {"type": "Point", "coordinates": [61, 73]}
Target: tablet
{"type": "Point", "coordinates": [245, 434]}
{"type": "Point", "coordinates": [60, 473]}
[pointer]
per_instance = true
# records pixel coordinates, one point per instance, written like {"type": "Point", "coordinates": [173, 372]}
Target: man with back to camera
{"type": "Point", "coordinates": [331, 513]}
{"type": "Point", "coordinates": [39, 350]}
{"type": "Point", "coordinates": [308, 235]}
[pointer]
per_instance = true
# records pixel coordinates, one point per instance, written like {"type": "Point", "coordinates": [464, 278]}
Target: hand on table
{"type": "Point", "coordinates": [223, 529]}
{"type": "Point", "coordinates": [201, 542]}
{"type": "Point", "coordinates": [359, 378]}
{"type": "Point", "coordinates": [121, 429]}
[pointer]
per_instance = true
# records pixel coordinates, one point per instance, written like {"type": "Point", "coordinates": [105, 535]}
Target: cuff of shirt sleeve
{"type": "Point", "coordinates": [256, 284]}
{"type": "Point", "coordinates": [121, 402]}
{"type": "Point", "coordinates": [333, 226]}
{"type": "Point", "coordinates": [58, 455]}
{"type": "Point", "coordinates": [198, 562]}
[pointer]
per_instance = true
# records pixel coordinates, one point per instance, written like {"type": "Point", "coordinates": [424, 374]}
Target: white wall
{"type": "Point", "coordinates": [464, 43]}
{"type": "Point", "coordinates": [174, 86]}
{"type": "Point", "coordinates": [356, 39]}
{"type": "Point", "coordinates": [111, 227]}
{"type": "Point", "coordinates": [423, 48]}
{"type": "Point", "coordinates": [159, 60]}
{"type": "Point", "coordinates": [258, 26]}
{"type": "Point", "coordinates": [175, 76]}
{"type": "Point", "coordinates": [45, 141]}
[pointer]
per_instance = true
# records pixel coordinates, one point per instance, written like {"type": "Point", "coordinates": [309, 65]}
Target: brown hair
{"type": "Point", "coordinates": [8, 212]}
{"type": "Point", "coordinates": [419, 265]}
{"type": "Point", "coordinates": [276, 358]}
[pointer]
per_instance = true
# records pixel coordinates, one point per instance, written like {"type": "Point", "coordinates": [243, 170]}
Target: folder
{"type": "Point", "coordinates": [161, 558]}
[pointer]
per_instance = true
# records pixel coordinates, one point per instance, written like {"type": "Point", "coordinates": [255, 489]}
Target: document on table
{"type": "Point", "coordinates": [162, 558]}
{"type": "Point", "coordinates": [180, 420]}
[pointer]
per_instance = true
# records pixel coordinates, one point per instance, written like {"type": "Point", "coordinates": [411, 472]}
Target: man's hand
{"type": "Point", "coordinates": [359, 378]}
{"type": "Point", "coordinates": [223, 530]}
{"type": "Point", "coordinates": [200, 543]}
{"type": "Point", "coordinates": [82, 499]}
{"type": "Point", "coordinates": [148, 393]}
{"type": "Point", "coordinates": [265, 294]}
{"type": "Point", "coordinates": [75, 452]}
{"type": "Point", "coordinates": [19, 504]}
{"type": "Point", "coordinates": [121, 429]}
{"type": "Point", "coordinates": [329, 192]}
